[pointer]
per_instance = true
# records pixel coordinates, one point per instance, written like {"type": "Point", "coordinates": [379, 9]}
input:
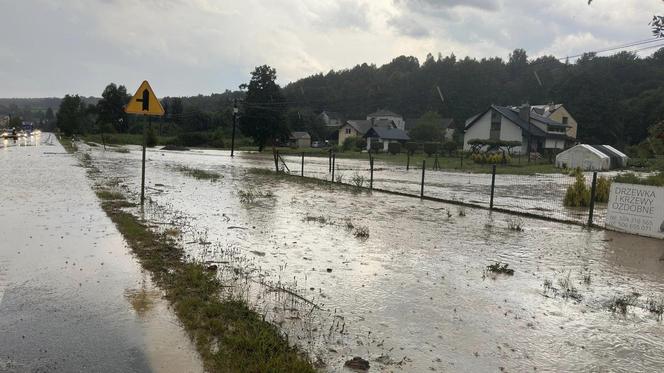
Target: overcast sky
{"type": "Point", "coordinates": [187, 47]}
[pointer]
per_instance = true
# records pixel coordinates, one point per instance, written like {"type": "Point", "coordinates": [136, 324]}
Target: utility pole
{"type": "Point", "coordinates": [235, 111]}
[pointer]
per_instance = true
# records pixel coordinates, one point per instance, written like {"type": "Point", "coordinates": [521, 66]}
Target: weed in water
{"type": "Point", "coordinates": [357, 180]}
{"type": "Point", "coordinates": [198, 173]}
{"type": "Point", "coordinates": [461, 211]}
{"type": "Point", "coordinates": [587, 278]}
{"type": "Point", "coordinates": [349, 224]}
{"type": "Point", "coordinates": [621, 304]}
{"type": "Point", "coordinates": [250, 196]}
{"type": "Point", "coordinates": [500, 268]}
{"type": "Point", "coordinates": [361, 232]}
{"type": "Point", "coordinates": [318, 219]}
{"type": "Point", "coordinates": [515, 223]}
{"type": "Point", "coordinates": [339, 178]}
{"type": "Point", "coordinates": [567, 288]}
{"type": "Point", "coordinates": [656, 307]}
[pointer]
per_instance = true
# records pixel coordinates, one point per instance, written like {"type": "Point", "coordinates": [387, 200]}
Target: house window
{"type": "Point", "coordinates": [496, 119]}
{"type": "Point", "coordinates": [347, 131]}
{"type": "Point", "coordinates": [565, 119]}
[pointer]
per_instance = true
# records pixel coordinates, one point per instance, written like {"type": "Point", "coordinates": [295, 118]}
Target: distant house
{"type": "Point", "coordinates": [359, 128]}
{"type": "Point", "coordinates": [558, 113]}
{"type": "Point", "coordinates": [523, 124]}
{"type": "Point", "coordinates": [300, 139]}
{"type": "Point", "coordinates": [331, 119]}
{"type": "Point", "coordinates": [385, 136]}
{"type": "Point", "coordinates": [386, 115]}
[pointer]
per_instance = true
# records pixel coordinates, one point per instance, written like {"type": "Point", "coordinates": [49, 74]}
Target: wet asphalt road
{"type": "Point", "coordinates": [72, 298]}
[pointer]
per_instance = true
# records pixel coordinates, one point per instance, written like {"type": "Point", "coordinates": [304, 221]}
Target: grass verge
{"type": "Point", "coordinates": [228, 334]}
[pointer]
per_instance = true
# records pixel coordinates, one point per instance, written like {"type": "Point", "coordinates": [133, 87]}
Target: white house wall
{"type": "Point", "coordinates": [482, 130]}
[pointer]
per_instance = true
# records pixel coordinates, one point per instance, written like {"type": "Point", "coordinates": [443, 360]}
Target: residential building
{"type": "Point", "coordinates": [386, 115]}
{"type": "Point", "coordinates": [353, 128]}
{"type": "Point", "coordinates": [522, 124]}
{"type": "Point", "coordinates": [385, 136]}
{"type": "Point", "coordinates": [558, 113]}
{"type": "Point", "coordinates": [331, 119]}
{"type": "Point", "coordinates": [300, 139]}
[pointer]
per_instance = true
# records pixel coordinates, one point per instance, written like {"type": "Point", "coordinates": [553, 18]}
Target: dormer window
{"type": "Point", "coordinates": [565, 119]}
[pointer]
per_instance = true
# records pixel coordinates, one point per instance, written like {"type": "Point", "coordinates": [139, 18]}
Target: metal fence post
{"type": "Point", "coordinates": [593, 192]}
{"type": "Point", "coordinates": [302, 164]}
{"type": "Point", "coordinates": [424, 167]}
{"type": "Point", "coordinates": [493, 185]}
{"type": "Point", "coordinates": [408, 160]}
{"type": "Point", "coordinates": [334, 156]}
{"type": "Point", "coordinates": [276, 160]}
{"type": "Point", "coordinates": [329, 161]}
{"type": "Point", "coordinates": [371, 164]}
{"type": "Point", "coordinates": [461, 152]}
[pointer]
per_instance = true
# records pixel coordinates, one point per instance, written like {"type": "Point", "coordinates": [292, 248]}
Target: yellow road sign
{"type": "Point", "coordinates": [144, 102]}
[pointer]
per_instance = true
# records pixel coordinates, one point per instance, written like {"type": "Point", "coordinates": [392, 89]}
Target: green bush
{"type": "Point", "coordinates": [578, 194]}
{"type": "Point", "coordinates": [412, 147]}
{"type": "Point", "coordinates": [450, 147]}
{"type": "Point", "coordinates": [151, 138]}
{"type": "Point", "coordinates": [431, 148]}
{"type": "Point", "coordinates": [394, 148]}
{"type": "Point", "coordinates": [487, 158]}
{"type": "Point", "coordinates": [603, 189]}
{"type": "Point", "coordinates": [191, 139]}
{"type": "Point", "coordinates": [353, 143]}
{"type": "Point", "coordinates": [217, 139]}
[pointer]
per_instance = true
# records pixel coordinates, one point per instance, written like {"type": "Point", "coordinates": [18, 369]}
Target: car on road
{"type": "Point", "coordinates": [9, 133]}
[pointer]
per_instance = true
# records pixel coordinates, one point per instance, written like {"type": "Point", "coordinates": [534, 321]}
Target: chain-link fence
{"type": "Point", "coordinates": [552, 196]}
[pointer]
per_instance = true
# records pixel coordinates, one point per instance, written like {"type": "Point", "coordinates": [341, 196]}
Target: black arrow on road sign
{"type": "Point", "coordinates": [145, 100]}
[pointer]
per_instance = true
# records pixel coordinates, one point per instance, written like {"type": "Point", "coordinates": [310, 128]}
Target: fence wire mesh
{"type": "Point", "coordinates": [541, 195]}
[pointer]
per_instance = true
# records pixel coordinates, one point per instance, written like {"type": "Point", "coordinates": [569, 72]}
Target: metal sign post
{"type": "Point", "coordinates": [144, 102]}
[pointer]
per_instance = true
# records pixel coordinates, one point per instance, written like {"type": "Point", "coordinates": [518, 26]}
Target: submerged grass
{"type": "Point", "coordinates": [228, 334]}
{"type": "Point", "coordinates": [199, 174]}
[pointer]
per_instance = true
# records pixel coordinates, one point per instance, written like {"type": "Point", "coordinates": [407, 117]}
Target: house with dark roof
{"type": "Point", "coordinates": [521, 124]}
{"type": "Point", "coordinates": [386, 115]}
{"type": "Point", "coordinates": [359, 128]}
{"type": "Point", "coordinates": [558, 113]}
{"type": "Point", "coordinates": [385, 136]}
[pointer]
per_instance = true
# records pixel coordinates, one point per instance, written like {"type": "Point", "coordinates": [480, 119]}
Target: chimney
{"type": "Point", "coordinates": [524, 113]}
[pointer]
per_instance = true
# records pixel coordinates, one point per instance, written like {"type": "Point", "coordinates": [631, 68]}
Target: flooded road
{"type": "Point", "coordinates": [72, 298]}
{"type": "Point", "coordinates": [404, 283]}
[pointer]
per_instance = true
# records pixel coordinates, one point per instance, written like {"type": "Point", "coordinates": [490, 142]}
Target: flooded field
{"type": "Point", "coordinates": [404, 283]}
{"type": "Point", "coordinates": [72, 298]}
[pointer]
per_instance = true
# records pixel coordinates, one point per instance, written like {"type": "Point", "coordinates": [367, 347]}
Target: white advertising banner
{"type": "Point", "coordinates": [637, 209]}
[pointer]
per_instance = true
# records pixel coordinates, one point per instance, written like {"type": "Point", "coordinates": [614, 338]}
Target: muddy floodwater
{"type": "Point", "coordinates": [72, 298]}
{"type": "Point", "coordinates": [403, 283]}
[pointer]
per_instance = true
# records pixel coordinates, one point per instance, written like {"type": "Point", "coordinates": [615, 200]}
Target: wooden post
{"type": "Point", "coordinates": [493, 185]}
{"type": "Point", "coordinates": [302, 164]}
{"type": "Point", "coordinates": [593, 195]}
{"type": "Point", "coordinates": [371, 165]}
{"type": "Point", "coordinates": [424, 166]}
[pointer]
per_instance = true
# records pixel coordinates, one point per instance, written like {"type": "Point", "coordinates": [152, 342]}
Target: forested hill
{"type": "Point", "coordinates": [613, 98]}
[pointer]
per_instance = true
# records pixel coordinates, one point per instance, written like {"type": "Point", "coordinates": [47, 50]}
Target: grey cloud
{"type": "Point", "coordinates": [409, 26]}
{"type": "Point", "coordinates": [345, 15]}
{"type": "Point", "coordinates": [435, 6]}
